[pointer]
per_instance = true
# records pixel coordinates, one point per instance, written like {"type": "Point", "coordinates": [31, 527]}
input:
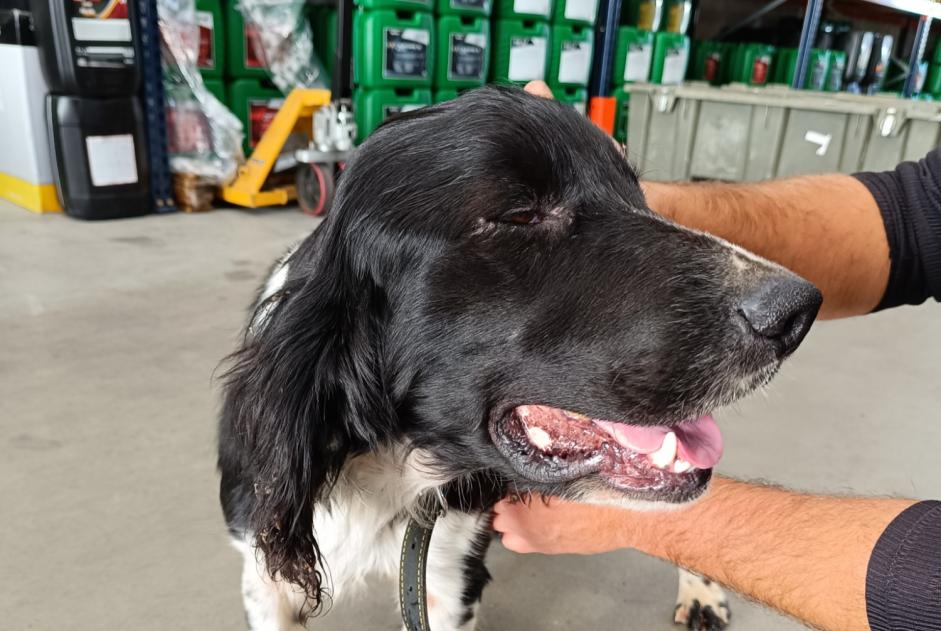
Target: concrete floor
{"type": "Point", "coordinates": [111, 332]}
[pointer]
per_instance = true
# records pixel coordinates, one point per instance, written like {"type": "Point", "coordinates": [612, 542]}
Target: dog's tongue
{"type": "Point", "coordinates": [699, 442]}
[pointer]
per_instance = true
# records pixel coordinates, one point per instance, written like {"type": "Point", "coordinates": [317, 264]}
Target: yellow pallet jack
{"type": "Point", "coordinates": [326, 118]}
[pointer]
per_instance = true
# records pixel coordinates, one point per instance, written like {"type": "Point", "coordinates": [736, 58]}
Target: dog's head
{"type": "Point", "coordinates": [492, 288]}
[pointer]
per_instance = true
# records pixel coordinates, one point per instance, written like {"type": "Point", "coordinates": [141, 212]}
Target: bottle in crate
{"type": "Point", "coordinates": [393, 48]}
{"type": "Point", "coordinates": [570, 59]}
{"type": "Point", "coordinates": [633, 56]}
{"type": "Point", "coordinates": [520, 51]}
{"type": "Point", "coordinates": [463, 58]}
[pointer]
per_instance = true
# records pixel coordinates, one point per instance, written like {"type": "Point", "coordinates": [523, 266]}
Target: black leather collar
{"type": "Point", "coordinates": [413, 593]}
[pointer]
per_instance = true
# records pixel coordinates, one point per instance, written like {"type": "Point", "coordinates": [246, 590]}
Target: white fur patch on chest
{"type": "Point", "coordinates": [360, 526]}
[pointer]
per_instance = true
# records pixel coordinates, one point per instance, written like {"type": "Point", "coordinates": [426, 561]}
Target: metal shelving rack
{"type": "Point", "coordinates": [161, 179]}
{"type": "Point", "coordinates": [925, 10]}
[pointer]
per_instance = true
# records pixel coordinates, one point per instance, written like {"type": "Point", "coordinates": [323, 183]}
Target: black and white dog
{"type": "Point", "coordinates": [489, 308]}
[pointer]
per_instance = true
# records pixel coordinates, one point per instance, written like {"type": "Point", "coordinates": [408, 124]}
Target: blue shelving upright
{"type": "Point", "coordinates": [161, 179]}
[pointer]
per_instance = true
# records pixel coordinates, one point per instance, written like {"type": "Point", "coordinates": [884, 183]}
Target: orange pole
{"type": "Point", "coordinates": [602, 110]}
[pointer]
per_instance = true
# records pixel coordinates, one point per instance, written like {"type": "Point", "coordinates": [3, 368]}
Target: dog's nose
{"type": "Point", "coordinates": [781, 309]}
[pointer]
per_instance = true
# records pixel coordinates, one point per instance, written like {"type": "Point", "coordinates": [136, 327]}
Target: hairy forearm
{"type": "Point", "coordinates": [826, 228]}
{"type": "Point", "coordinates": [801, 554]}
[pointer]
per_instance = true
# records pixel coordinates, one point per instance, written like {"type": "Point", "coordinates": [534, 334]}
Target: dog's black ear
{"type": "Point", "coordinates": [303, 393]}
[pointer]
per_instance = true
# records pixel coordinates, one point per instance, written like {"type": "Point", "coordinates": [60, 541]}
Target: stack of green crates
{"type": "Point", "coordinates": [463, 57]}
{"type": "Point", "coordinates": [651, 46]}
{"type": "Point", "coordinates": [249, 94]}
{"type": "Point", "coordinates": [394, 44]}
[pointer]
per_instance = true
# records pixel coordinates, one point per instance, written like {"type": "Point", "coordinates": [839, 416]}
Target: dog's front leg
{"type": "Point", "coordinates": [701, 604]}
{"type": "Point", "coordinates": [456, 574]}
{"type": "Point", "coordinates": [269, 605]}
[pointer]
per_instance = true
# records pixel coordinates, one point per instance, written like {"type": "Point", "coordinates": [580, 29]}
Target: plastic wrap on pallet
{"type": "Point", "coordinates": [204, 137]}
{"type": "Point", "coordinates": [286, 41]}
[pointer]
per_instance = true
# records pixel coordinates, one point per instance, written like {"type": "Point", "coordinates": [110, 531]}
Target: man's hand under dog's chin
{"type": "Point", "coordinates": [549, 525]}
{"type": "Point", "coordinates": [554, 526]}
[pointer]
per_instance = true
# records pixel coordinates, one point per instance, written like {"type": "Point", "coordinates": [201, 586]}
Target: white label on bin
{"type": "Point", "coordinates": [101, 30]}
{"type": "Point", "coordinates": [417, 35]}
{"type": "Point", "coordinates": [585, 10]}
{"type": "Point", "coordinates": [527, 59]}
{"type": "Point", "coordinates": [674, 65]}
{"type": "Point", "coordinates": [535, 7]}
{"type": "Point", "coordinates": [637, 66]}
{"type": "Point", "coordinates": [574, 63]}
{"type": "Point", "coordinates": [111, 159]}
{"type": "Point", "coordinates": [820, 139]}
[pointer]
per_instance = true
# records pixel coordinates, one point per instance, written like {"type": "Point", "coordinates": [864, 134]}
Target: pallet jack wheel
{"type": "Point", "coordinates": [315, 188]}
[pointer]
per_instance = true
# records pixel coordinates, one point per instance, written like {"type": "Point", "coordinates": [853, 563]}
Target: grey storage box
{"type": "Point", "coordinates": [736, 133]}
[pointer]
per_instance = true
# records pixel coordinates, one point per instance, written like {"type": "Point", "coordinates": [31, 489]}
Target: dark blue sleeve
{"type": "Point", "coordinates": [910, 200]}
{"type": "Point", "coordinates": [903, 583]}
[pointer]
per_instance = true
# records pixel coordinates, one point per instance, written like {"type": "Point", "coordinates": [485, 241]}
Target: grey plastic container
{"type": "Point", "coordinates": [735, 133]}
{"type": "Point", "coordinates": [903, 129]}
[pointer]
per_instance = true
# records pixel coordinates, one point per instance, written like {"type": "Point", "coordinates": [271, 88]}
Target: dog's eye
{"type": "Point", "coordinates": [522, 217]}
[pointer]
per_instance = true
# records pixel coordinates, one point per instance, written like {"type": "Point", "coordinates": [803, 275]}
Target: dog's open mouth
{"type": "Point", "coordinates": [550, 445]}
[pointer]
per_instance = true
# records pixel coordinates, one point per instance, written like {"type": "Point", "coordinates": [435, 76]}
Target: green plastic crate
{"type": "Point", "coordinates": [575, 96]}
{"type": "Point", "coordinates": [633, 56]}
{"type": "Point", "coordinates": [210, 57]}
{"type": "Point", "coordinates": [255, 104]}
{"type": "Point", "coordinates": [575, 11]}
{"type": "Point", "coordinates": [670, 58]}
{"type": "Point", "coordinates": [463, 57]}
{"type": "Point", "coordinates": [523, 9]}
{"type": "Point", "coordinates": [243, 55]}
{"type": "Point", "coordinates": [570, 56]}
{"type": "Point", "coordinates": [372, 107]}
{"type": "Point", "coordinates": [393, 48]}
{"type": "Point", "coordinates": [520, 51]}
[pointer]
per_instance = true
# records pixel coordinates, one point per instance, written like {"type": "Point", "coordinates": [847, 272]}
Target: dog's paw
{"type": "Point", "coordinates": [701, 604]}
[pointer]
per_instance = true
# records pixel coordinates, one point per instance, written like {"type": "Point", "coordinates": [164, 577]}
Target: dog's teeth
{"type": "Point", "coordinates": [681, 466]}
{"type": "Point", "coordinates": [664, 457]}
{"type": "Point", "coordinates": [539, 437]}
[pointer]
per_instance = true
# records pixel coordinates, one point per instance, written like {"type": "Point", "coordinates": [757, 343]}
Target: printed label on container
{"type": "Point", "coordinates": [254, 53]}
{"type": "Point", "coordinates": [818, 74]}
{"type": "Point", "coordinates": [759, 70]}
{"type": "Point", "coordinates": [713, 65]}
{"type": "Point", "coordinates": [260, 114]}
{"type": "Point", "coordinates": [574, 63]}
{"type": "Point", "coordinates": [406, 53]}
{"type": "Point", "coordinates": [533, 7]}
{"type": "Point", "coordinates": [97, 21]}
{"type": "Point", "coordinates": [582, 10]}
{"type": "Point", "coordinates": [835, 76]}
{"type": "Point", "coordinates": [111, 160]}
{"type": "Point", "coordinates": [527, 59]}
{"type": "Point", "coordinates": [468, 4]}
{"type": "Point", "coordinates": [637, 66]}
{"type": "Point", "coordinates": [674, 65]}
{"type": "Point", "coordinates": [466, 56]}
{"type": "Point", "coordinates": [206, 57]}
